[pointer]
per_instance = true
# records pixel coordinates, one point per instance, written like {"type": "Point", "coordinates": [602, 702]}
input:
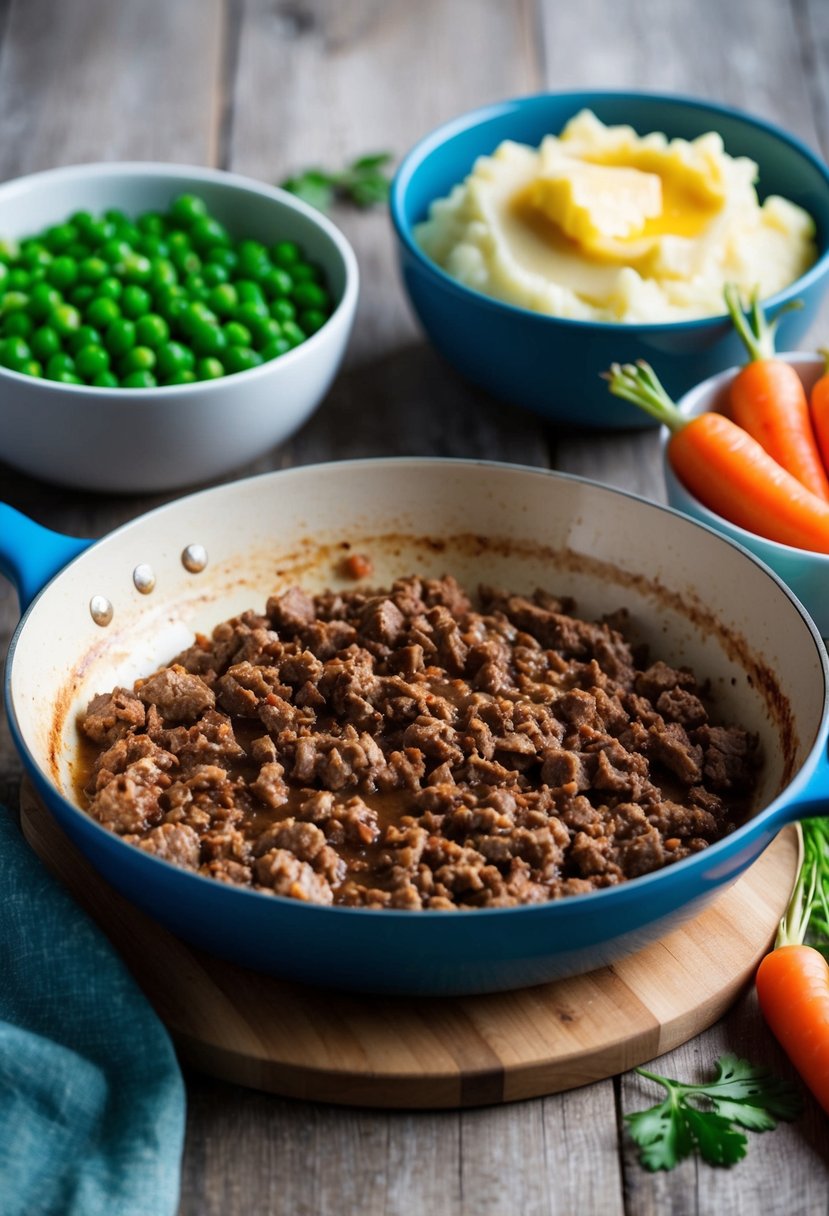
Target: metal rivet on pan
{"type": "Point", "coordinates": [100, 609]}
{"type": "Point", "coordinates": [143, 578]}
{"type": "Point", "coordinates": [194, 558]}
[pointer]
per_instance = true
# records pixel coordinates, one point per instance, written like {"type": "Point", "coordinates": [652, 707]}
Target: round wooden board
{"type": "Point", "coordinates": [435, 1052]}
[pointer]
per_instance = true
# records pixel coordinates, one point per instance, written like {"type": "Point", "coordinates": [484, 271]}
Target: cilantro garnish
{"type": "Point", "coordinates": [704, 1118]}
{"type": "Point", "coordinates": [364, 182]}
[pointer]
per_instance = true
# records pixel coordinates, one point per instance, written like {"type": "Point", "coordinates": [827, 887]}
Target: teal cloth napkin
{"type": "Point", "coordinates": [91, 1096]}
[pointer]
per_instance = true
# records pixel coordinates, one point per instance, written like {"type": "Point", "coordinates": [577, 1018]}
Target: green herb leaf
{"type": "Point", "coordinates": [364, 183]}
{"type": "Point", "coordinates": [701, 1118]}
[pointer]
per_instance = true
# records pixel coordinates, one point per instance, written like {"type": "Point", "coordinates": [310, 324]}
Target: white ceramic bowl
{"type": "Point", "coordinates": [163, 438]}
{"type": "Point", "coordinates": [807, 574]}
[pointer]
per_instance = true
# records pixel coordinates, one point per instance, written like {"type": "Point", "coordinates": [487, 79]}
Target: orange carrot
{"type": "Point", "coordinates": [793, 981]}
{"type": "Point", "coordinates": [768, 400]}
{"type": "Point", "coordinates": [728, 470]}
{"type": "Point", "coordinates": [819, 404]}
{"type": "Point", "coordinates": [793, 990]}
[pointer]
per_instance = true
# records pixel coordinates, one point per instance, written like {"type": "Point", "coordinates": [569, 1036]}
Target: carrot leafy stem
{"type": "Point", "coordinates": [706, 1118]}
{"type": "Point", "coordinates": [640, 384]}
{"type": "Point", "coordinates": [806, 919]}
{"type": "Point", "coordinates": [754, 328]}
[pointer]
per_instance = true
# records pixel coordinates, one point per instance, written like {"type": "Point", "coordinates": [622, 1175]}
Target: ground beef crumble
{"type": "Point", "coordinates": [402, 749]}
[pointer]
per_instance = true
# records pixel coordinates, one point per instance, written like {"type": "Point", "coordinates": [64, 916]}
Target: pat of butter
{"type": "Point", "coordinates": [590, 203]}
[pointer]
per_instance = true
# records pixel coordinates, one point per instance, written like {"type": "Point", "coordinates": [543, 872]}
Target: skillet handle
{"type": "Point", "coordinates": [813, 801]}
{"type": "Point", "coordinates": [30, 555]}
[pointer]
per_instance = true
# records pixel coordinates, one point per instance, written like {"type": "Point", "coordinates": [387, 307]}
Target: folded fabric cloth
{"type": "Point", "coordinates": [91, 1096]}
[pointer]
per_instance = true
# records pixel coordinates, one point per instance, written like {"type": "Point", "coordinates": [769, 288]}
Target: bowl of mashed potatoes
{"type": "Point", "coordinates": [543, 238]}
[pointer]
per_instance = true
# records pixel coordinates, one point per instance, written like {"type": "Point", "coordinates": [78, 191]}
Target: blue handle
{"type": "Point", "coordinates": [812, 802]}
{"type": "Point", "coordinates": [30, 555]}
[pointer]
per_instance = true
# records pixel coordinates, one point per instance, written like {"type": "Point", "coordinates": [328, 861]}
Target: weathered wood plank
{"type": "Point", "coordinates": [785, 1171]}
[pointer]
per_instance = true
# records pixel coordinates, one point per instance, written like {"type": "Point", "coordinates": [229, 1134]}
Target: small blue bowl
{"type": "Point", "coordinates": [551, 365]}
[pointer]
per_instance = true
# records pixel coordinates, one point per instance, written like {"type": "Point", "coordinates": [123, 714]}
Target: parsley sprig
{"type": "Point", "coordinates": [364, 182]}
{"type": "Point", "coordinates": [705, 1118]}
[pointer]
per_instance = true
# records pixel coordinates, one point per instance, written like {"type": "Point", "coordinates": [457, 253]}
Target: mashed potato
{"type": "Point", "coordinates": [600, 224]}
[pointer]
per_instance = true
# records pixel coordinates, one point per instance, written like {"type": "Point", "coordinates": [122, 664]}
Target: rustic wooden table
{"type": "Point", "coordinates": [265, 87]}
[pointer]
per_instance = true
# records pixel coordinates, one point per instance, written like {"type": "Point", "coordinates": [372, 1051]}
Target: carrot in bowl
{"type": "Point", "coordinates": [793, 980]}
{"type": "Point", "coordinates": [819, 408]}
{"type": "Point", "coordinates": [768, 400]}
{"type": "Point", "coordinates": [728, 470]}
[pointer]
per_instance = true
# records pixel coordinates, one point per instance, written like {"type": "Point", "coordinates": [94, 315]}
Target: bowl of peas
{"type": "Point", "coordinates": [162, 325]}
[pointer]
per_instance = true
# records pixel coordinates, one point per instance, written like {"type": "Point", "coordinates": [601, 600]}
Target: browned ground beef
{"type": "Point", "coordinates": [401, 749]}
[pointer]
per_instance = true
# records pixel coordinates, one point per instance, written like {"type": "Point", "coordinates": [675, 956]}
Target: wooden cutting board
{"type": "Point", "coordinates": [435, 1052]}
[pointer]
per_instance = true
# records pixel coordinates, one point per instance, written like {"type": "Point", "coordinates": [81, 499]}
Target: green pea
{"type": "Point", "coordinates": [82, 294]}
{"type": "Point", "coordinates": [14, 301]}
{"type": "Point", "coordinates": [86, 335]}
{"type": "Point", "coordinates": [188, 208]}
{"type": "Point", "coordinates": [78, 250]}
{"type": "Point", "coordinates": [311, 320]}
{"type": "Point", "coordinates": [90, 361]}
{"type": "Point", "coordinates": [293, 333]}
{"type": "Point", "coordinates": [128, 232]}
{"type": "Point", "coordinates": [98, 231]}
{"type": "Point", "coordinates": [105, 380]}
{"type": "Point", "coordinates": [7, 252]}
{"type": "Point", "coordinates": [279, 346]}
{"type": "Point", "coordinates": [207, 232]}
{"type": "Point", "coordinates": [310, 295]}
{"type": "Point", "coordinates": [195, 315]}
{"type": "Point", "coordinates": [304, 272]}
{"type": "Point", "coordinates": [223, 299]}
{"type": "Point", "coordinates": [251, 312]}
{"type": "Point", "coordinates": [109, 288]}
{"type": "Point", "coordinates": [152, 223]}
{"type": "Point", "coordinates": [18, 279]}
{"type": "Point", "coordinates": [31, 367]}
{"type": "Point", "coordinates": [114, 216]}
{"type": "Point", "coordinates": [183, 377]}
{"type": "Point", "coordinates": [45, 342]}
{"type": "Point", "coordinates": [58, 365]}
{"type": "Point", "coordinates": [286, 253]}
{"type": "Point", "coordinates": [214, 274]}
{"type": "Point", "coordinates": [237, 334]}
{"type": "Point", "coordinates": [209, 369]}
{"type": "Point", "coordinates": [120, 336]}
{"type": "Point", "coordinates": [137, 268]}
{"type": "Point", "coordinates": [4, 274]}
{"type": "Point", "coordinates": [208, 339]}
{"type": "Point", "coordinates": [65, 319]}
{"type": "Point", "coordinates": [254, 261]}
{"type": "Point", "coordinates": [221, 255]}
{"type": "Point", "coordinates": [277, 282]}
{"type": "Point", "coordinates": [17, 325]}
{"type": "Point", "coordinates": [186, 261]}
{"type": "Point", "coordinates": [152, 247]}
{"type": "Point", "coordinates": [63, 272]}
{"type": "Point", "coordinates": [173, 357]}
{"type": "Point", "coordinates": [163, 273]}
{"type": "Point", "coordinates": [68, 378]}
{"type": "Point", "coordinates": [33, 253]}
{"type": "Point", "coordinates": [102, 311]}
{"type": "Point", "coordinates": [139, 359]}
{"type": "Point", "coordinates": [240, 359]}
{"type": "Point", "coordinates": [265, 330]}
{"type": "Point", "coordinates": [178, 240]}
{"type": "Point", "coordinates": [282, 310]}
{"type": "Point", "coordinates": [91, 270]}
{"type": "Point", "coordinates": [14, 351]}
{"type": "Point", "coordinates": [81, 220]}
{"type": "Point", "coordinates": [60, 236]}
{"type": "Point", "coordinates": [151, 330]}
{"type": "Point", "coordinates": [135, 301]}
{"type": "Point", "coordinates": [247, 290]}
{"type": "Point", "coordinates": [115, 251]}
{"type": "Point", "coordinates": [196, 287]}
{"type": "Point", "coordinates": [139, 379]}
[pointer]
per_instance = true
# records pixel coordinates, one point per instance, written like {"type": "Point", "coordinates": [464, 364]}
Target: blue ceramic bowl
{"type": "Point", "coordinates": [806, 573]}
{"type": "Point", "coordinates": [551, 365]}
